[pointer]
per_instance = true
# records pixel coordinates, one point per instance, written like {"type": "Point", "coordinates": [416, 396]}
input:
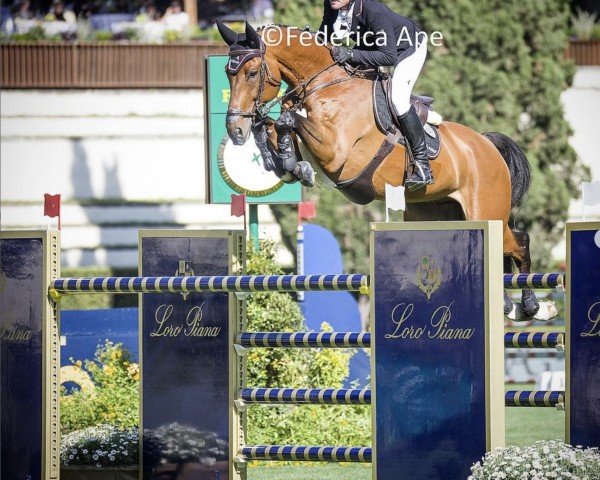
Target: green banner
{"type": "Point", "coordinates": [235, 169]}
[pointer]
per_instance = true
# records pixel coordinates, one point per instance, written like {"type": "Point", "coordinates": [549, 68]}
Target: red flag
{"type": "Point", "coordinates": [307, 210]}
{"type": "Point", "coordinates": [238, 206]}
{"type": "Point", "coordinates": [52, 206]}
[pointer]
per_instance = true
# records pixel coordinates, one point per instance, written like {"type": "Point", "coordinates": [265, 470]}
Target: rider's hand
{"type": "Point", "coordinates": [341, 54]}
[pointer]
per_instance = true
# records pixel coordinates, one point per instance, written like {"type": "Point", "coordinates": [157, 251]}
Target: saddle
{"type": "Point", "coordinates": [385, 116]}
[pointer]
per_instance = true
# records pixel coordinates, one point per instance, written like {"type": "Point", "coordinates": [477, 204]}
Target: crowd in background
{"type": "Point", "coordinates": [147, 19]}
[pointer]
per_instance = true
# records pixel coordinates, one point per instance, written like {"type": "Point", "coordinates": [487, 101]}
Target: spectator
{"type": "Point", "coordinates": [58, 13]}
{"type": "Point", "coordinates": [22, 19]}
{"type": "Point", "coordinates": [148, 13]}
{"type": "Point", "coordinates": [175, 18]}
{"type": "Point", "coordinates": [22, 10]}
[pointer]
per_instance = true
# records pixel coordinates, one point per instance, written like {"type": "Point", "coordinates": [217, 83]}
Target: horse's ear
{"type": "Point", "coordinates": [227, 33]}
{"type": "Point", "coordinates": [252, 37]}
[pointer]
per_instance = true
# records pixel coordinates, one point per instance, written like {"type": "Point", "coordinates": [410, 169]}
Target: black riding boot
{"type": "Point", "coordinates": [415, 137]}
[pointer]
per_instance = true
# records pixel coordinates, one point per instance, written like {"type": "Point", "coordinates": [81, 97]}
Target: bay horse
{"type": "Point", "coordinates": [477, 176]}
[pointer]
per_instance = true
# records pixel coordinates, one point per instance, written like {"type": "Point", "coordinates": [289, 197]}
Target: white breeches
{"type": "Point", "coordinates": [405, 76]}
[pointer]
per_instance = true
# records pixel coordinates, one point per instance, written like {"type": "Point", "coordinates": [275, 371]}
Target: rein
{"type": "Point", "coordinates": [260, 109]}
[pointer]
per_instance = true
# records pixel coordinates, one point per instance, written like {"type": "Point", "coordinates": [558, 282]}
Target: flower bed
{"type": "Point", "coordinates": [544, 460]}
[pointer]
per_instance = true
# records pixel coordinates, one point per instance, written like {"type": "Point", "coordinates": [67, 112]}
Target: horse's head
{"type": "Point", "coordinates": [252, 81]}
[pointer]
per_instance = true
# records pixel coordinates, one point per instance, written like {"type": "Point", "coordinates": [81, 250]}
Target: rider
{"type": "Point", "coordinates": [384, 38]}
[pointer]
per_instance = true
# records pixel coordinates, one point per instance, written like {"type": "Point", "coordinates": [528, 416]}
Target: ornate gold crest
{"type": "Point", "coordinates": [428, 276]}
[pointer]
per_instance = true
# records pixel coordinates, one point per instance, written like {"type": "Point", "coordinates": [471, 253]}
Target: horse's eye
{"type": "Point", "coordinates": [252, 73]}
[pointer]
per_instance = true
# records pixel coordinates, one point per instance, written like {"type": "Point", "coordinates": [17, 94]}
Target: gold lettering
{"type": "Point", "coordinates": [440, 321]}
{"type": "Point", "coordinates": [195, 327]}
{"type": "Point", "coordinates": [594, 318]}
{"type": "Point", "coordinates": [407, 331]}
{"type": "Point", "coordinates": [226, 95]}
{"type": "Point", "coordinates": [161, 316]}
{"type": "Point", "coordinates": [15, 335]}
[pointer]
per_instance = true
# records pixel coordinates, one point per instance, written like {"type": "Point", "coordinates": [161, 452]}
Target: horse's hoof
{"type": "Point", "coordinates": [547, 311]}
{"type": "Point", "coordinates": [307, 174]}
{"type": "Point", "coordinates": [530, 304]}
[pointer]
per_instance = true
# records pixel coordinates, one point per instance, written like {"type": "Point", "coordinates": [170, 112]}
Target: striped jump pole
{"type": "Point", "coordinates": [256, 283]}
{"type": "Point", "coordinates": [305, 453]}
{"type": "Point", "coordinates": [534, 280]}
{"type": "Point", "coordinates": [341, 396]}
{"type": "Point", "coordinates": [542, 398]}
{"type": "Point", "coordinates": [363, 339]}
{"type": "Point", "coordinates": [198, 284]}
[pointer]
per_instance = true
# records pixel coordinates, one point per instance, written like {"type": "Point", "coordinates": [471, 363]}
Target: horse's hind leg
{"type": "Point", "coordinates": [522, 257]}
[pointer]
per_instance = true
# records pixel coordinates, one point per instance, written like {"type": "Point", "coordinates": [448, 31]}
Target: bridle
{"type": "Point", "coordinates": [239, 57]}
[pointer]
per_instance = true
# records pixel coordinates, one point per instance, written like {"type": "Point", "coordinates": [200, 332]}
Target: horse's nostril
{"type": "Point", "coordinates": [239, 133]}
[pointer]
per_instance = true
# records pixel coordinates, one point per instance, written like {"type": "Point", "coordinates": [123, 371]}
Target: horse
{"type": "Point", "coordinates": [477, 176]}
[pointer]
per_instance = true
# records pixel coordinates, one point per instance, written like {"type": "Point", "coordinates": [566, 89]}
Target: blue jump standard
{"type": "Point", "coordinates": [257, 283]}
{"type": "Point", "coordinates": [363, 339]}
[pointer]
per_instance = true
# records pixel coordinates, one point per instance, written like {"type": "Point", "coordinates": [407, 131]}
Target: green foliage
{"type": "Point", "coordinates": [36, 34]}
{"type": "Point", "coordinates": [102, 36]}
{"type": "Point", "coordinates": [298, 368]}
{"type": "Point", "coordinates": [115, 398]}
{"type": "Point", "coordinates": [299, 12]}
{"type": "Point", "coordinates": [501, 68]}
{"type": "Point", "coordinates": [584, 24]}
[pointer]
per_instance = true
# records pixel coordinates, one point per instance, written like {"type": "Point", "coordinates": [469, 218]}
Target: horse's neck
{"type": "Point", "coordinates": [298, 63]}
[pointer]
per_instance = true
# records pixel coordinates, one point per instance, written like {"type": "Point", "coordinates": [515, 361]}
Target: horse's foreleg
{"type": "Point", "coordinates": [530, 304]}
{"type": "Point", "coordinates": [265, 138]}
{"type": "Point", "coordinates": [286, 150]}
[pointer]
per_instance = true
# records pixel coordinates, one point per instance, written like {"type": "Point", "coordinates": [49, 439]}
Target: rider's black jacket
{"type": "Point", "coordinates": [371, 17]}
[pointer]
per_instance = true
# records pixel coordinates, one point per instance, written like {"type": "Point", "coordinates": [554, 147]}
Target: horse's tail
{"type": "Point", "coordinates": [518, 165]}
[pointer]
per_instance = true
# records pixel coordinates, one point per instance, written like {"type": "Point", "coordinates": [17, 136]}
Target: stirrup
{"type": "Point", "coordinates": [418, 179]}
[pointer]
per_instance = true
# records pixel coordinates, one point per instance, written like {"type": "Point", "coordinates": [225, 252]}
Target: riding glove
{"type": "Point", "coordinates": [341, 54]}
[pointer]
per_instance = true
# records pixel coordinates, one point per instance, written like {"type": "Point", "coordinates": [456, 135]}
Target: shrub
{"type": "Point", "coordinates": [103, 36]}
{"type": "Point", "coordinates": [115, 399]}
{"type": "Point", "coordinates": [583, 24]}
{"type": "Point", "coordinates": [545, 459]}
{"type": "Point", "coordinates": [100, 446]}
{"type": "Point", "coordinates": [299, 368]}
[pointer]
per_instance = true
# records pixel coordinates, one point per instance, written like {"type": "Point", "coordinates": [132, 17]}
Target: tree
{"type": "Point", "coordinates": [501, 68]}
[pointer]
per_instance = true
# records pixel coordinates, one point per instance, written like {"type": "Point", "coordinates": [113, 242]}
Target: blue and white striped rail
{"type": "Point", "coordinates": [534, 280]}
{"type": "Point", "coordinates": [305, 339]}
{"type": "Point", "coordinates": [315, 396]}
{"type": "Point", "coordinates": [541, 398]}
{"type": "Point", "coordinates": [331, 396]}
{"type": "Point", "coordinates": [363, 339]}
{"type": "Point", "coordinates": [257, 283]}
{"type": "Point", "coordinates": [534, 339]}
{"type": "Point", "coordinates": [243, 283]}
{"type": "Point", "coordinates": [312, 454]}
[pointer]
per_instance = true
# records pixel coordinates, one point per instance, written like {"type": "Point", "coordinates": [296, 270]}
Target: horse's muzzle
{"type": "Point", "coordinates": [238, 128]}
